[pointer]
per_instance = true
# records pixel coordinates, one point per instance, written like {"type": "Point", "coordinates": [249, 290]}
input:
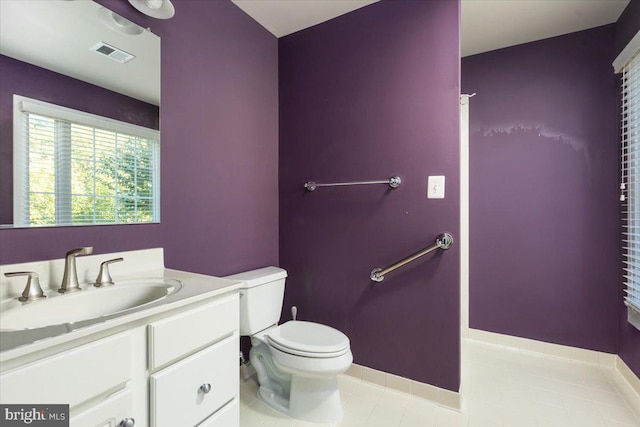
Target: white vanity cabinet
{"type": "Point", "coordinates": [112, 412]}
{"type": "Point", "coordinates": [185, 391]}
{"type": "Point", "coordinates": [175, 368]}
{"type": "Point", "coordinates": [73, 376]}
{"type": "Point", "coordinates": [85, 375]}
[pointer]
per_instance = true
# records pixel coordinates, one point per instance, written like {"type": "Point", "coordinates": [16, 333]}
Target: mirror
{"type": "Point", "coordinates": [78, 55]}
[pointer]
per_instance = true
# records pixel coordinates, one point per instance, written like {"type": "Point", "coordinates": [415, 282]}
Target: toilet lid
{"type": "Point", "coordinates": [308, 339]}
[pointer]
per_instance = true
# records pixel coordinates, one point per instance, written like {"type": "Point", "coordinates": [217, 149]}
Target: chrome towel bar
{"type": "Point", "coordinates": [443, 241]}
{"type": "Point", "coordinates": [393, 182]}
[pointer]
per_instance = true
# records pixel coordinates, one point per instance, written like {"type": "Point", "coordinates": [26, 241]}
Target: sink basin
{"type": "Point", "coordinates": [90, 303]}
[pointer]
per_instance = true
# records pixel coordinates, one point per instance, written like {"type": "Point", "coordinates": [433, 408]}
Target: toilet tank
{"type": "Point", "coordinates": [261, 297]}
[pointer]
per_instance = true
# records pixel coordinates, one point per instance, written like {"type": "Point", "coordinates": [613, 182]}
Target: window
{"type": "Point", "coordinates": [630, 185]}
{"type": "Point", "coordinates": [75, 168]}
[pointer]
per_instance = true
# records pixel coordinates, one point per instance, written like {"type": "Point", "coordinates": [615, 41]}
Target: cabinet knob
{"type": "Point", "coordinates": [205, 388]}
{"type": "Point", "coordinates": [127, 422]}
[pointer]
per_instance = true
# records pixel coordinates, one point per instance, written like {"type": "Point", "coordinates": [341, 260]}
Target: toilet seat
{"type": "Point", "coordinates": [308, 339]}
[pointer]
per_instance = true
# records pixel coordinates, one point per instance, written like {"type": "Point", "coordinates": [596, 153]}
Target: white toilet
{"type": "Point", "coordinates": [297, 362]}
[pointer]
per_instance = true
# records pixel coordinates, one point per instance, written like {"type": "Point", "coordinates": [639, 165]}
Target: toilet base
{"type": "Point", "coordinates": [314, 399]}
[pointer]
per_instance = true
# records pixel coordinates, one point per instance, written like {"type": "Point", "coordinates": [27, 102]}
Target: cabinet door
{"type": "Point", "coordinates": [73, 376]}
{"type": "Point", "coordinates": [189, 391]}
{"type": "Point", "coordinates": [228, 416]}
{"type": "Point", "coordinates": [176, 336]}
{"type": "Point", "coordinates": [108, 413]}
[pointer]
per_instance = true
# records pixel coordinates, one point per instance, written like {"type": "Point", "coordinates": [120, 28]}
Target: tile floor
{"type": "Point", "coordinates": [501, 387]}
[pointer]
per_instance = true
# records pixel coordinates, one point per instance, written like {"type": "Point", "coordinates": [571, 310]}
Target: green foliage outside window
{"type": "Point", "coordinates": [85, 175]}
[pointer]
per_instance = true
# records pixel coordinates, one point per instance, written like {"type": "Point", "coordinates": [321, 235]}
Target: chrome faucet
{"type": "Point", "coordinates": [104, 277]}
{"type": "Point", "coordinates": [33, 291]}
{"type": "Point", "coordinates": [70, 277]}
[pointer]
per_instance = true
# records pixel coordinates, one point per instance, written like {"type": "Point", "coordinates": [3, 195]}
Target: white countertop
{"type": "Point", "coordinates": [196, 287]}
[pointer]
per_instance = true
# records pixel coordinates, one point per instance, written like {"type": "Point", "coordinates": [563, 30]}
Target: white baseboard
{"type": "Point", "coordinates": [439, 396]}
{"type": "Point", "coordinates": [625, 380]}
{"type": "Point", "coordinates": [548, 349]}
{"type": "Point", "coordinates": [628, 383]}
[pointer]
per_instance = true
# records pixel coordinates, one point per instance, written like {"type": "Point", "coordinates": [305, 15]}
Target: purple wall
{"type": "Point", "coordinates": [28, 80]}
{"type": "Point", "coordinates": [219, 121]}
{"type": "Point", "coordinates": [544, 242]}
{"type": "Point", "coordinates": [220, 139]}
{"type": "Point", "coordinates": [368, 95]}
{"type": "Point", "coordinates": [628, 25]}
{"type": "Point", "coordinates": [628, 336]}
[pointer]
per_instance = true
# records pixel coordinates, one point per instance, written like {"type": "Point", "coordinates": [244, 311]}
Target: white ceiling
{"type": "Point", "coordinates": [486, 24]}
{"type": "Point", "coordinates": [35, 31]}
{"type": "Point", "coordinates": [282, 17]}
{"type": "Point", "coordinates": [57, 35]}
{"type": "Point", "coordinates": [494, 24]}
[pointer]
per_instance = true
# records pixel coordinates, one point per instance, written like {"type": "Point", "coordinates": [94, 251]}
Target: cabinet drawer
{"type": "Point", "coordinates": [228, 416]}
{"type": "Point", "coordinates": [108, 413]}
{"type": "Point", "coordinates": [93, 369]}
{"type": "Point", "coordinates": [176, 336]}
{"type": "Point", "coordinates": [176, 397]}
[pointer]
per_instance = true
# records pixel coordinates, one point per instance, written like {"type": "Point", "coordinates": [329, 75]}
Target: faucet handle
{"type": "Point", "coordinates": [87, 250]}
{"type": "Point", "coordinates": [33, 291]}
{"type": "Point", "coordinates": [104, 278]}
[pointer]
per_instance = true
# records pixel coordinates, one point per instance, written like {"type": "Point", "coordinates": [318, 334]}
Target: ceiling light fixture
{"type": "Point", "coordinates": [161, 9]}
{"type": "Point", "coordinates": [118, 23]}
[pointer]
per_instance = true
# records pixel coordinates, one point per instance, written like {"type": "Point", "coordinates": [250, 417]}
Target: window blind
{"type": "Point", "coordinates": [76, 168]}
{"type": "Point", "coordinates": [630, 185]}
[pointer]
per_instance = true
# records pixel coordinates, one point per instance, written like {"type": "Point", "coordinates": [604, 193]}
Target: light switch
{"type": "Point", "coordinates": [435, 187]}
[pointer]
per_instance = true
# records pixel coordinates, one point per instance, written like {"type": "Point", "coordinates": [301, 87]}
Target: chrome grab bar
{"type": "Point", "coordinates": [393, 182]}
{"type": "Point", "coordinates": [443, 241]}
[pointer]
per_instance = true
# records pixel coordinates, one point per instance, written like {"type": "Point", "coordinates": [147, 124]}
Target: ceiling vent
{"type": "Point", "coordinates": [113, 52]}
